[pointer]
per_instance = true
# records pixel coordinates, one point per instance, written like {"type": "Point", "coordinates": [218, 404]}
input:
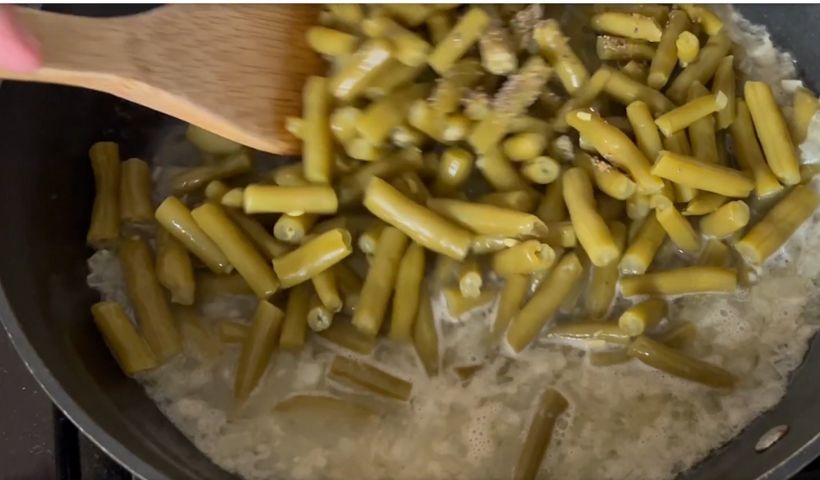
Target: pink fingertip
{"type": "Point", "coordinates": [19, 50]}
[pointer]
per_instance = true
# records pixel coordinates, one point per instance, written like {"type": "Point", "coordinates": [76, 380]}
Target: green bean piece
{"type": "Point", "coordinates": [686, 280]}
{"type": "Point", "coordinates": [343, 121]}
{"type": "Point", "coordinates": [748, 154]}
{"type": "Point", "coordinates": [419, 223]}
{"type": "Point", "coordinates": [327, 290]}
{"type": "Point", "coordinates": [129, 348]}
{"type": "Point", "coordinates": [342, 333]}
{"type": "Point", "coordinates": [293, 228]}
{"type": "Point", "coordinates": [522, 89]}
{"type": "Point", "coordinates": [411, 14]}
{"type": "Point", "coordinates": [438, 25]}
{"type": "Point", "coordinates": [701, 132]}
{"type": "Point", "coordinates": [313, 257]}
{"type": "Point", "coordinates": [524, 146]}
{"type": "Point", "coordinates": [135, 192]}
{"type": "Point", "coordinates": [771, 232]}
{"type": "Point", "coordinates": [641, 251]}
{"type": "Point", "coordinates": [215, 190]}
{"type": "Point", "coordinates": [521, 200]}
{"type": "Point", "coordinates": [483, 244]}
{"type": "Point", "coordinates": [209, 142]}
{"type": "Point", "coordinates": [232, 332]}
{"type": "Point", "coordinates": [726, 220]}
{"type": "Point", "coordinates": [197, 177]}
{"type": "Point", "coordinates": [554, 46]}
{"type": "Point", "coordinates": [691, 112]}
{"type": "Point", "coordinates": [293, 200]}
{"type": "Point", "coordinates": [704, 203]}
{"type": "Point", "coordinates": [697, 174]}
{"type": "Point", "coordinates": [405, 136]}
{"type": "Point", "coordinates": [638, 206]}
{"type": "Point", "coordinates": [616, 147]}
{"type": "Point", "coordinates": [679, 336]}
{"type": "Point", "coordinates": [561, 281]}
{"type": "Point", "coordinates": [149, 302]}
{"type": "Point", "coordinates": [238, 248]}
{"type": "Point", "coordinates": [454, 168]}
{"type": "Point", "coordinates": [606, 177]}
{"type": "Point", "coordinates": [552, 207]}
{"type": "Point", "coordinates": [618, 48]}
{"type": "Point", "coordinates": [499, 172]}
{"type": "Point", "coordinates": [257, 349]}
{"type": "Point", "coordinates": [380, 281]}
{"type": "Point", "coordinates": [456, 128]}
{"type": "Point", "coordinates": [394, 75]}
{"type": "Point", "coordinates": [715, 254]}
{"type": "Point", "coordinates": [489, 219]}
{"type": "Point", "coordinates": [550, 406]}
{"type": "Point", "coordinates": [174, 269]}
{"type": "Point", "coordinates": [725, 83]}
{"type": "Point", "coordinates": [512, 296]}
{"type": "Point", "coordinates": [233, 198]}
{"type": "Point", "coordinates": [625, 90]}
{"type": "Point", "coordinates": [409, 277]}
{"type": "Point", "coordinates": [637, 71]}
{"type": "Point", "coordinates": [429, 121]}
{"type": "Point", "coordinates": [464, 35]}
{"type": "Point", "coordinates": [524, 258]}
{"type": "Point", "coordinates": [409, 48]}
{"type": "Point", "coordinates": [268, 246]}
{"type": "Point", "coordinates": [666, 54]}
{"type": "Point", "coordinates": [488, 132]}
{"type": "Point", "coordinates": [370, 378]}
{"type": "Point", "coordinates": [322, 405]}
{"type": "Point", "coordinates": [590, 331]}
{"type": "Point", "coordinates": [386, 113]}
{"type": "Point", "coordinates": [603, 280]}
{"type": "Point", "coordinates": [590, 228]}
{"type": "Point", "coordinates": [369, 239]}
{"type": "Point", "coordinates": [294, 326]}
{"type": "Point", "coordinates": [772, 131]}
{"type": "Point", "coordinates": [678, 228]}
{"type": "Point", "coordinates": [365, 65]}
{"type": "Point", "coordinates": [642, 316]}
{"type": "Point", "coordinates": [688, 47]}
{"type": "Point", "coordinates": [582, 97]}
{"type": "Point", "coordinates": [319, 317]}
{"type": "Point", "coordinates": [702, 69]}
{"type": "Point", "coordinates": [804, 106]}
{"type": "Point", "coordinates": [317, 146]}
{"type": "Point", "coordinates": [350, 286]}
{"type": "Point", "coordinates": [425, 335]}
{"type": "Point", "coordinates": [104, 230]}
{"type": "Point", "coordinates": [630, 25]}
{"type": "Point", "coordinates": [675, 363]}
{"type": "Point", "coordinates": [711, 23]}
{"type": "Point", "coordinates": [330, 42]}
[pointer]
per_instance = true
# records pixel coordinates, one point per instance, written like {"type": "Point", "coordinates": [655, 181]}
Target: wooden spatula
{"type": "Point", "coordinates": [236, 70]}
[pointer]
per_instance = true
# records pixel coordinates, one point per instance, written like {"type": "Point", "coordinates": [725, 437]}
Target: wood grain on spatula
{"type": "Point", "coordinates": [236, 70]}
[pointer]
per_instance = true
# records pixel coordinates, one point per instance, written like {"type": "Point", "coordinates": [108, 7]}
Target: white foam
{"type": "Point", "coordinates": [454, 429]}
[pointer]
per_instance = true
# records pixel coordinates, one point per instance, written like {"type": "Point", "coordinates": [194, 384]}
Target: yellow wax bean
{"type": "Point", "coordinates": [666, 54]}
{"type": "Point", "coordinates": [804, 106]}
{"type": "Point", "coordinates": [725, 83]}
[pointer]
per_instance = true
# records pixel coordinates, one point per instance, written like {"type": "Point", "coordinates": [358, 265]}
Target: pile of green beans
{"type": "Point", "coordinates": [476, 139]}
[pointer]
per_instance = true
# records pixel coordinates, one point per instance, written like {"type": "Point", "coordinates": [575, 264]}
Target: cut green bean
{"type": "Point", "coordinates": [379, 283]}
{"type": "Point", "coordinates": [313, 257]}
{"type": "Point", "coordinates": [233, 198]}
{"type": "Point", "coordinates": [370, 378]}
{"type": "Point", "coordinates": [521, 200]}
{"type": "Point", "coordinates": [541, 170]}
{"type": "Point", "coordinates": [726, 220]}
{"type": "Point", "coordinates": [238, 249]}
{"type": "Point", "coordinates": [135, 192]}
{"type": "Point", "coordinates": [606, 177]}
{"type": "Point", "coordinates": [636, 70]}
{"type": "Point", "coordinates": [385, 114]}
{"type": "Point", "coordinates": [769, 234]}
{"type": "Point", "coordinates": [293, 200]}
{"type": "Point", "coordinates": [675, 363]}
{"type": "Point", "coordinates": [641, 251]}
{"type": "Point", "coordinates": [602, 280]}
{"type": "Point", "coordinates": [591, 230]}
{"type": "Point", "coordinates": [646, 133]}
{"type": "Point", "coordinates": [174, 269]}
{"type": "Point", "coordinates": [499, 172]}
{"type": "Point", "coordinates": [470, 279]}
{"type": "Point", "coordinates": [343, 121]}
{"type": "Point", "coordinates": [512, 296]}
{"type": "Point", "coordinates": [726, 84]}
{"type": "Point", "coordinates": [454, 168]}
{"type": "Point", "coordinates": [464, 35]}
{"type": "Point", "coordinates": [687, 114]}
{"type": "Point", "coordinates": [804, 106]}
{"type": "Point", "coordinates": [257, 349]}
{"type": "Point", "coordinates": [104, 230]}
{"type": "Point", "coordinates": [195, 178]}
{"type": "Point", "coordinates": [419, 223]}
{"type": "Point", "coordinates": [352, 186]}
{"type": "Point", "coordinates": [582, 97]}
{"type": "Point", "coordinates": [458, 304]}
{"type": "Point", "coordinates": [550, 406]}
{"type": "Point", "coordinates": [425, 335]}
{"type": "Point", "coordinates": [294, 326]}
{"type": "Point", "coordinates": [616, 147]}
{"type": "Point", "coordinates": [678, 228]}
{"type": "Point", "coordinates": [129, 348]}
{"type": "Point", "coordinates": [268, 246]}
{"type": "Point", "coordinates": [483, 244]}
{"type": "Point", "coordinates": [697, 174]}
{"type": "Point", "coordinates": [629, 25]}
{"type": "Point", "coordinates": [704, 203]}
{"type": "Point", "coordinates": [554, 46]}
{"type": "Point", "coordinates": [522, 259]}
{"type": "Point", "coordinates": [686, 280]}
{"type": "Point", "coordinates": [323, 405]}
{"type": "Point", "coordinates": [324, 283]}
{"type": "Point", "coordinates": [643, 316]}
{"type": "Point", "coordinates": [552, 207]}
{"type": "Point", "coordinates": [409, 279]}
{"type": "Point", "coordinates": [702, 69]}
{"type": "Point", "coordinates": [748, 153]}
{"type": "Point", "coordinates": [319, 317]}
{"type": "Point", "coordinates": [772, 131]}
{"type": "Point", "coordinates": [618, 48]}
{"type": "Point", "coordinates": [711, 23]}
{"type": "Point", "coordinates": [293, 228]}
{"type": "Point", "coordinates": [363, 66]}
{"type": "Point", "coordinates": [590, 331]}
{"type": "Point", "coordinates": [408, 47]}
{"type": "Point", "coordinates": [342, 333]}
{"type": "Point", "coordinates": [625, 90]}
{"type": "Point", "coordinates": [666, 54]}
{"type": "Point", "coordinates": [330, 42]}
{"type": "Point", "coordinates": [148, 299]}
{"type": "Point", "coordinates": [489, 219]}
{"type": "Point", "coordinates": [498, 54]}
{"type": "Point", "coordinates": [560, 282]}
